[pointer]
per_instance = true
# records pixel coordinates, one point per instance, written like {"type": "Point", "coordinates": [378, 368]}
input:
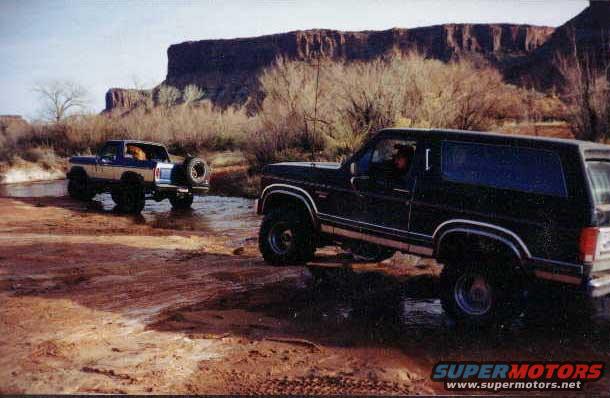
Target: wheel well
{"type": "Point", "coordinates": [461, 247]}
{"type": "Point", "coordinates": [131, 177]}
{"type": "Point", "coordinates": [280, 199]}
{"type": "Point", "coordinates": [77, 171]}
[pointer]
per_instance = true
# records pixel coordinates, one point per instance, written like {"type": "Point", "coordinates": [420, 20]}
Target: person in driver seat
{"type": "Point", "coordinates": [401, 161]}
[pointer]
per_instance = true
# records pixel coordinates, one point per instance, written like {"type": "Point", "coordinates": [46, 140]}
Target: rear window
{"type": "Point", "coordinates": [504, 167]}
{"type": "Point", "coordinates": [599, 175]}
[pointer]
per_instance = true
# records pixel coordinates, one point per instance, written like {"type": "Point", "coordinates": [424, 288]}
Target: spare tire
{"type": "Point", "coordinates": [196, 171]}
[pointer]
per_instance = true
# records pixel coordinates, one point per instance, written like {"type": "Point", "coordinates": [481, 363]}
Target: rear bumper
{"type": "Point", "coordinates": [598, 286]}
{"type": "Point", "coordinates": [200, 190]}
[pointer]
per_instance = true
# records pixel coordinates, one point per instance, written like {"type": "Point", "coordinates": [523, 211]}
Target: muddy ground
{"type": "Point", "coordinates": [92, 301]}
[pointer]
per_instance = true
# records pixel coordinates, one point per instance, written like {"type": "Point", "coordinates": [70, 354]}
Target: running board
{"type": "Point", "coordinates": [402, 246]}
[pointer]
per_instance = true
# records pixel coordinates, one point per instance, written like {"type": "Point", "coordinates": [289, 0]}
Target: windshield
{"type": "Point", "coordinates": [599, 175]}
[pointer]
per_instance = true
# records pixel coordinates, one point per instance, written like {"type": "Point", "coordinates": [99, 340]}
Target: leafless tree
{"type": "Point", "coordinates": [61, 98]}
{"type": "Point", "coordinates": [587, 91]}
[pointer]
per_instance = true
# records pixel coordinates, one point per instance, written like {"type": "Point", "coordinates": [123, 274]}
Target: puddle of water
{"type": "Point", "coordinates": [230, 216]}
{"type": "Point", "coordinates": [34, 189]}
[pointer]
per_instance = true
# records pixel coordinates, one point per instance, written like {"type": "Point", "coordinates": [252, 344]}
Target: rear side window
{"type": "Point", "coordinates": [599, 175]}
{"type": "Point", "coordinates": [504, 167]}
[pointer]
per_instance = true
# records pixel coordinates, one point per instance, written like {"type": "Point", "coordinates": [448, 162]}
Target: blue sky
{"type": "Point", "coordinates": [102, 44]}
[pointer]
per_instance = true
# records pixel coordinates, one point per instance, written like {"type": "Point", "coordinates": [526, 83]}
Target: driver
{"type": "Point", "coordinates": [401, 161]}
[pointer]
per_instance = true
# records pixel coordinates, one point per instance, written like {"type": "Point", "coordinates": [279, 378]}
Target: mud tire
{"type": "Point", "coordinates": [467, 307]}
{"type": "Point", "coordinates": [79, 187]}
{"type": "Point", "coordinates": [287, 237]}
{"type": "Point", "coordinates": [181, 202]}
{"type": "Point", "coordinates": [129, 198]}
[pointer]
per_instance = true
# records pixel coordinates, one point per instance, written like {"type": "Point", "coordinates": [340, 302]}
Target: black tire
{"type": "Point", "coordinates": [79, 187]}
{"type": "Point", "coordinates": [130, 199]}
{"type": "Point", "coordinates": [196, 171]}
{"type": "Point", "coordinates": [287, 237]}
{"type": "Point", "coordinates": [115, 194]}
{"type": "Point", "coordinates": [480, 296]}
{"type": "Point", "coordinates": [181, 202]}
{"type": "Point", "coordinates": [365, 251]}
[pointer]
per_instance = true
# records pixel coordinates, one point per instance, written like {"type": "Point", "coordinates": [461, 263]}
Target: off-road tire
{"type": "Point", "coordinates": [79, 187]}
{"type": "Point", "coordinates": [196, 171]}
{"type": "Point", "coordinates": [130, 198]}
{"type": "Point", "coordinates": [115, 194]}
{"type": "Point", "coordinates": [299, 248]}
{"type": "Point", "coordinates": [181, 202]}
{"type": "Point", "coordinates": [503, 288]}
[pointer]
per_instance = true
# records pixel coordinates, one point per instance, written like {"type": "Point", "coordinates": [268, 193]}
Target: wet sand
{"type": "Point", "coordinates": [180, 302]}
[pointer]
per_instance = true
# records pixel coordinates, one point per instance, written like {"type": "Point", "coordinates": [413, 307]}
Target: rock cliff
{"type": "Point", "coordinates": [125, 98]}
{"type": "Point", "coordinates": [227, 69]}
{"type": "Point", "coordinates": [588, 33]}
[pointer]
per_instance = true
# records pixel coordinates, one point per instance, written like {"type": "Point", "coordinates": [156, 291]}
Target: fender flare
{"type": "Point", "coordinates": [503, 236]}
{"type": "Point", "coordinates": [289, 190]}
{"type": "Point", "coordinates": [131, 177]}
{"type": "Point", "coordinates": [74, 170]}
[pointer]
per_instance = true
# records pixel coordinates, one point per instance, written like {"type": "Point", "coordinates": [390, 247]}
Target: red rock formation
{"type": "Point", "coordinates": [227, 69]}
{"type": "Point", "coordinates": [125, 99]}
{"type": "Point", "coordinates": [589, 30]}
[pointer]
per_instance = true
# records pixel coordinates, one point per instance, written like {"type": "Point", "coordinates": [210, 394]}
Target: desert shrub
{"type": "Point", "coordinates": [350, 101]}
{"type": "Point", "coordinates": [168, 95]}
{"type": "Point", "coordinates": [191, 94]}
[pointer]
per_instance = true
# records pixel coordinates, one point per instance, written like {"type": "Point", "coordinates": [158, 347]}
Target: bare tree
{"type": "Point", "coordinates": [60, 98]}
{"type": "Point", "coordinates": [587, 91]}
{"type": "Point", "coordinates": [191, 94]}
{"type": "Point", "coordinates": [168, 95]}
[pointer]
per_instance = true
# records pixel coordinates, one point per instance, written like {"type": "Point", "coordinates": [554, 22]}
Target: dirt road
{"type": "Point", "coordinates": [95, 302]}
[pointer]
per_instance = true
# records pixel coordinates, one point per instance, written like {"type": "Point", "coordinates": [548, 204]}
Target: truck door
{"type": "Point", "coordinates": [386, 191]}
{"type": "Point", "coordinates": [106, 161]}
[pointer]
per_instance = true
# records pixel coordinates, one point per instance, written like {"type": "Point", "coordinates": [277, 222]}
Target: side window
{"type": "Point", "coordinates": [392, 159]}
{"type": "Point", "coordinates": [364, 161]}
{"type": "Point", "coordinates": [135, 152]}
{"type": "Point", "coordinates": [504, 167]}
{"type": "Point", "coordinates": [110, 151]}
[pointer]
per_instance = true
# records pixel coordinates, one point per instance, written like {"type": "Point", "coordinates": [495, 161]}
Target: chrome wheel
{"type": "Point", "coordinates": [281, 238]}
{"type": "Point", "coordinates": [198, 171]}
{"type": "Point", "coordinates": [473, 294]}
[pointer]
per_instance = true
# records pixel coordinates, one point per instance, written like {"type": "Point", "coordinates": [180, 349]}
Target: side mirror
{"type": "Point", "coordinates": [353, 168]}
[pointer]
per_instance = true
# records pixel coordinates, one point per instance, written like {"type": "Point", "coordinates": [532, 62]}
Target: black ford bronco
{"type": "Point", "coordinates": [497, 211]}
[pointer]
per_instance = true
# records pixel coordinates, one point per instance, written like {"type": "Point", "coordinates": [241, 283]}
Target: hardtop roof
{"type": "Point", "coordinates": [483, 137]}
{"type": "Point", "coordinates": [138, 142]}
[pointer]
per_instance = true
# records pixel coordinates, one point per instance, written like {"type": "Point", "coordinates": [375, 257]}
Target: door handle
{"type": "Point", "coordinates": [355, 179]}
{"type": "Point", "coordinates": [399, 190]}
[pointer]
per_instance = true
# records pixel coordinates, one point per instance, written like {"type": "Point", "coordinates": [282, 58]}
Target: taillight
{"type": "Point", "coordinates": [588, 244]}
{"type": "Point", "coordinates": [157, 173]}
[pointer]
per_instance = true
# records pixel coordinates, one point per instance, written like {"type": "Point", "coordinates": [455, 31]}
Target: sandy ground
{"type": "Point", "coordinates": [95, 302]}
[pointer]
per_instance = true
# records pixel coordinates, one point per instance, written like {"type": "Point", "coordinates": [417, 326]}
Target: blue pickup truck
{"type": "Point", "coordinates": [132, 171]}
